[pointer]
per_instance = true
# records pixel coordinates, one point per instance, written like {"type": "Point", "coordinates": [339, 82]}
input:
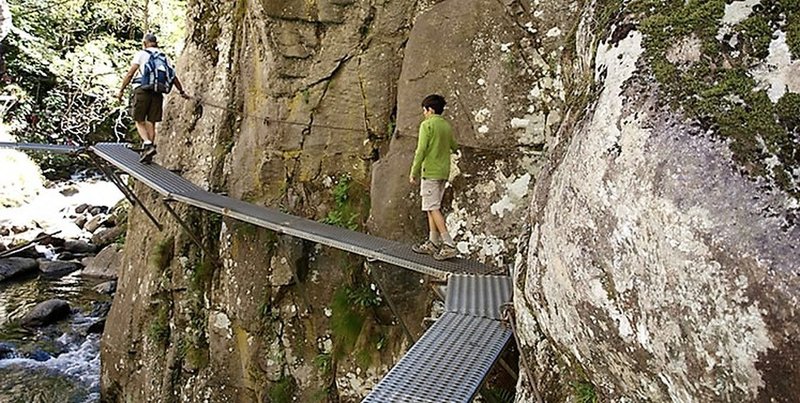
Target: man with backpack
{"type": "Point", "coordinates": [154, 78]}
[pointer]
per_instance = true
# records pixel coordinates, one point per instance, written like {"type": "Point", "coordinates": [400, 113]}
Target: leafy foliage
{"type": "Point", "coordinates": [344, 214]}
{"type": "Point", "coordinates": [163, 252]}
{"type": "Point", "coordinates": [324, 363]}
{"type": "Point", "coordinates": [584, 392]}
{"type": "Point", "coordinates": [65, 63]}
{"type": "Point", "coordinates": [363, 296]}
{"type": "Point", "coordinates": [498, 395]}
{"type": "Point", "coordinates": [158, 330]}
{"type": "Point", "coordinates": [283, 390]}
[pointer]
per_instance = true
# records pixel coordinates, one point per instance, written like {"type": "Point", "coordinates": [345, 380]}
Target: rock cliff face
{"type": "Point", "coordinates": [663, 261]}
{"type": "Point", "coordinates": [655, 259]}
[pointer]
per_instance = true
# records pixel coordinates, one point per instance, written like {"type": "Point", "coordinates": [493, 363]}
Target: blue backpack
{"type": "Point", "coordinates": [157, 74]}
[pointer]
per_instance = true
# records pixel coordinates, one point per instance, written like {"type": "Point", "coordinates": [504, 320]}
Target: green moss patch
{"type": "Point", "coordinates": [346, 324]}
{"type": "Point", "coordinates": [162, 254]}
{"type": "Point", "coordinates": [584, 392]}
{"type": "Point", "coordinates": [158, 329]}
{"type": "Point", "coordinates": [718, 90]}
{"type": "Point", "coordinates": [283, 390]}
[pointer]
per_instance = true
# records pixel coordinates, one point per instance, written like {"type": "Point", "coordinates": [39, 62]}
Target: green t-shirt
{"type": "Point", "coordinates": [434, 146]}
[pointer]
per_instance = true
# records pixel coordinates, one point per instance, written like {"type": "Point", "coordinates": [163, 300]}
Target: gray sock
{"type": "Point", "coordinates": [434, 237]}
{"type": "Point", "coordinates": [448, 240]}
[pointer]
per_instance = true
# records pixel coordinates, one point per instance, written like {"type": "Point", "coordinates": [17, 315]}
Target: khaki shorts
{"type": "Point", "coordinates": [431, 191]}
{"type": "Point", "coordinates": [146, 105]}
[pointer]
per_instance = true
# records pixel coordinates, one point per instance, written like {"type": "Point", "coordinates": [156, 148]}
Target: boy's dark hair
{"type": "Point", "coordinates": [435, 102]}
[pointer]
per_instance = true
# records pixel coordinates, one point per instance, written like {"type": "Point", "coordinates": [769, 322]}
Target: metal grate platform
{"type": "Point", "coordinates": [154, 176]}
{"type": "Point", "coordinates": [477, 295]}
{"type": "Point", "coordinates": [50, 148]}
{"type": "Point", "coordinates": [448, 364]}
{"type": "Point", "coordinates": [177, 188]}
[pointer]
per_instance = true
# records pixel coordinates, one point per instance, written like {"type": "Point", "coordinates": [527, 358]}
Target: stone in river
{"type": "Point", "coordinates": [105, 264]}
{"type": "Point", "coordinates": [97, 327]}
{"type": "Point", "coordinates": [77, 246]}
{"type": "Point", "coordinates": [15, 266]}
{"type": "Point", "coordinates": [109, 287]}
{"type": "Point", "coordinates": [45, 313]}
{"type": "Point", "coordinates": [56, 268]}
{"type": "Point", "coordinates": [98, 210]}
{"type": "Point", "coordinates": [107, 236]}
{"type": "Point", "coordinates": [81, 208]}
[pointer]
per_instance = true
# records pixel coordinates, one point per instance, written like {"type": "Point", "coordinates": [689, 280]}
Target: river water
{"type": "Point", "coordinates": [59, 363]}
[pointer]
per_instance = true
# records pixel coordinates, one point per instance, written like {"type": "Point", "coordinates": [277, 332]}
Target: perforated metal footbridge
{"type": "Point", "coordinates": [448, 363]}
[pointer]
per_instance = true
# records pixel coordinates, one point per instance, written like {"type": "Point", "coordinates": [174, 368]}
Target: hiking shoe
{"type": "Point", "coordinates": [147, 154]}
{"type": "Point", "coordinates": [446, 252]}
{"type": "Point", "coordinates": [427, 248]}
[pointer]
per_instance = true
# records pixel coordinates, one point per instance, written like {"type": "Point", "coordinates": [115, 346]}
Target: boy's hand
{"type": "Point", "coordinates": [411, 179]}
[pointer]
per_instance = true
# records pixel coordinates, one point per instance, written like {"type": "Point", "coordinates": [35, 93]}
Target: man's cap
{"type": "Point", "coordinates": [151, 38]}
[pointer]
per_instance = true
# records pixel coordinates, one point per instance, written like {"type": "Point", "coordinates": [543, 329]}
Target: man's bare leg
{"type": "Point", "coordinates": [141, 128]}
{"type": "Point", "coordinates": [151, 131]}
{"type": "Point", "coordinates": [148, 132]}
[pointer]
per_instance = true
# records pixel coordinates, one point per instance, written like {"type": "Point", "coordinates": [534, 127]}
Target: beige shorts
{"type": "Point", "coordinates": [431, 192]}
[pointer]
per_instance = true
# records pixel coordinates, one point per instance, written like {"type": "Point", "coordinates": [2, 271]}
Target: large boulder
{"type": "Point", "coordinates": [45, 313]}
{"type": "Point", "coordinates": [105, 264]}
{"type": "Point", "coordinates": [81, 208]}
{"type": "Point", "coordinates": [28, 252]}
{"type": "Point", "coordinates": [15, 266]}
{"type": "Point", "coordinates": [45, 239]}
{"type": "Point", "coordinates": [97, 210]}
{"type": "Point", "coordinates": [96, 327]}
{"type": "Point", "coordinates": [659, 264]}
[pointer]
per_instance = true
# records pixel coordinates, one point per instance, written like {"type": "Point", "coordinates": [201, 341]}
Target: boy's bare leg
{"type": "Point", "coordinates": [440, 225]}
{"type": "Point", "coordinates": [434, 232]}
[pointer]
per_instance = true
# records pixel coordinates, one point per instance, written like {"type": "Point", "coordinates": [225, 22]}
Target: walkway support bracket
{"type": "Point", "coordinates": [185, 226]}
{"type": "Point", "coordinates": [129, 194]}
{"type": "Point", "coordinates": [391, 304]}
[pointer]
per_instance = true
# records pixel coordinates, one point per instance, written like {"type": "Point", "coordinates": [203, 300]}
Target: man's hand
{"type": "Point", "coordinates": [184, 95]}
{"type": "Point", "coordinates": [119, 96]}
{"type": "Point", "coordinates": [411, 179]}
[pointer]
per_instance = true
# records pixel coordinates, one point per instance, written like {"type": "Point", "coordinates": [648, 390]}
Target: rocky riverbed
{"type": "Point", "coordinates": [56, 292]}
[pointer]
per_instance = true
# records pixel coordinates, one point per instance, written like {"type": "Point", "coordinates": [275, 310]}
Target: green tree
{"type": "Point", "coordinates": [66, 60]}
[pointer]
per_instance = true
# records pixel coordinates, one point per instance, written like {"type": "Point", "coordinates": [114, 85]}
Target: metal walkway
{"type": "Point", "coordinates": [174, 187]}
{"type": "Point", "coordinates": [450, 361]}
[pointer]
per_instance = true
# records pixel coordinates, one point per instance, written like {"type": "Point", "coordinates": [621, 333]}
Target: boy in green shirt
{"type": "Point", "coordinates": [432, 164]}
